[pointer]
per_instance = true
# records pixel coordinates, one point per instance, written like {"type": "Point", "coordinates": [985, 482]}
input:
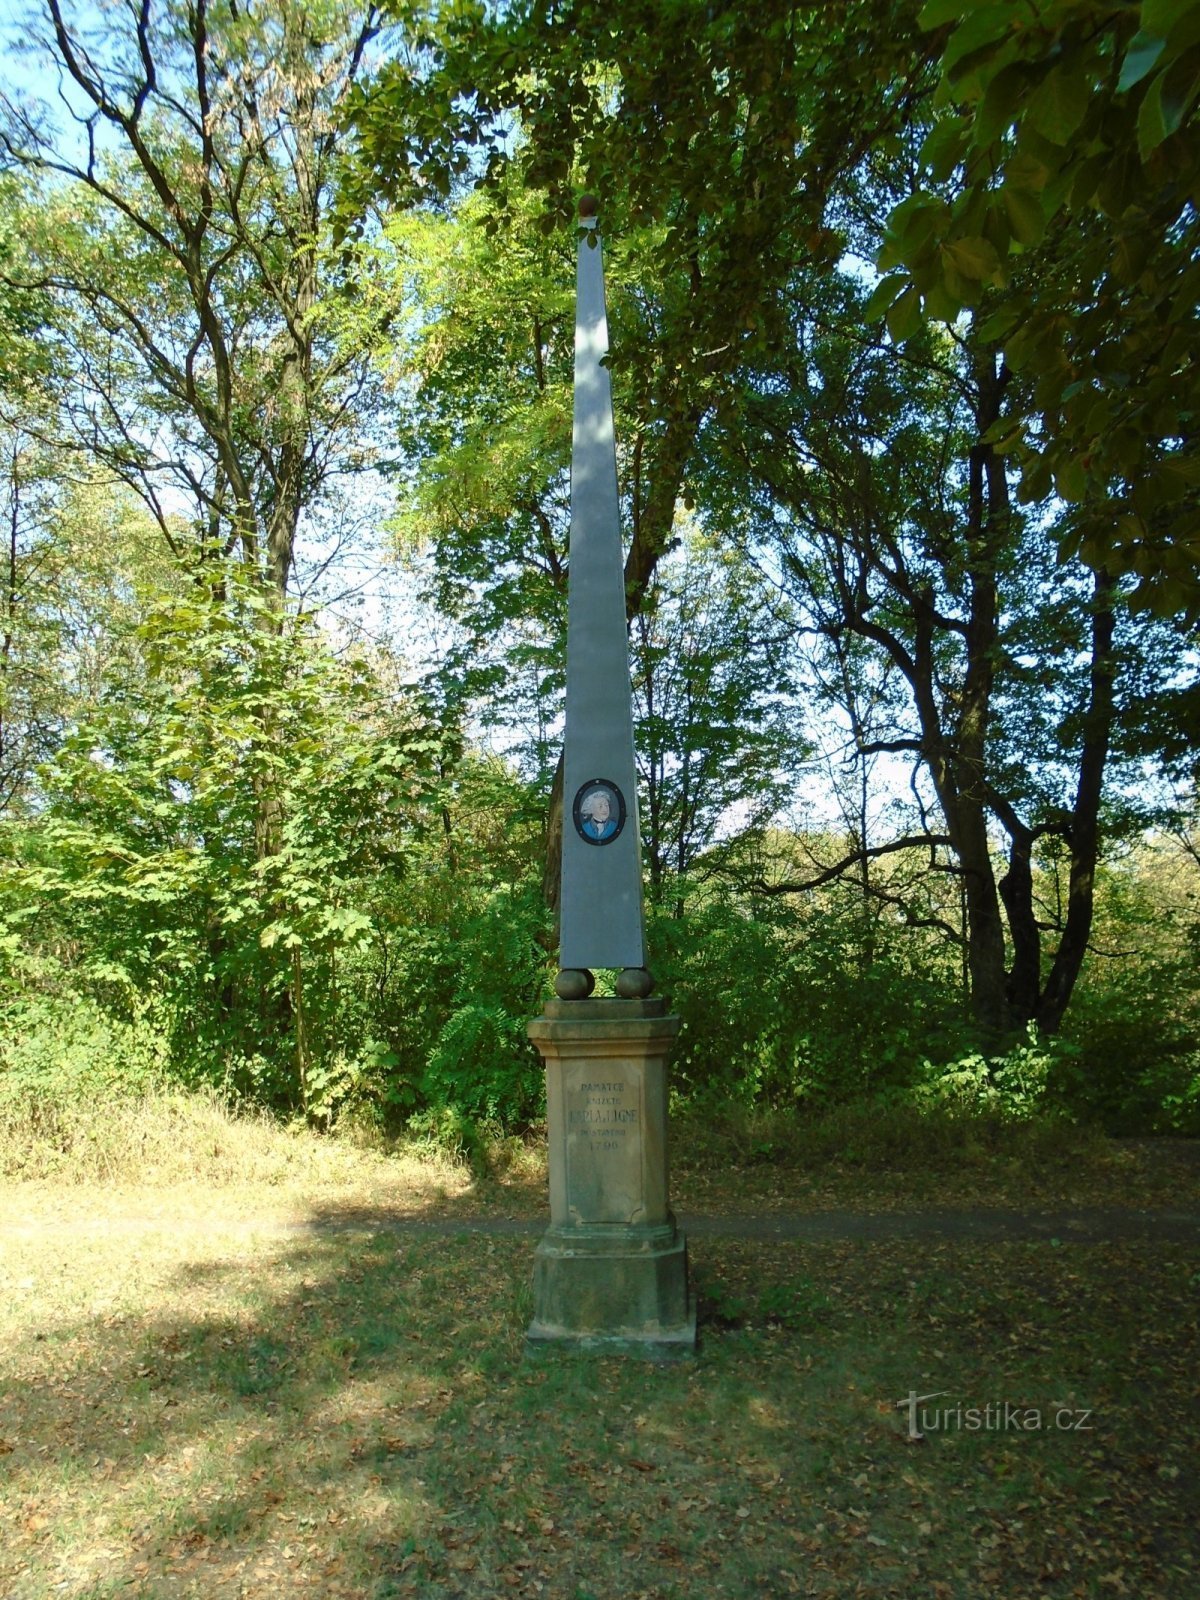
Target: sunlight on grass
{"type": "Point", "coordinates": [254, 1390]}
{"type": "Point", "coordinates": [167, 1137]}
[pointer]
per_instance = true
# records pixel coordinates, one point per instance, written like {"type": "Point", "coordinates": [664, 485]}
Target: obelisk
{"type": "Point", "coordinates": [611, 1270]}
{"type": "Point", "coordinates": [601, 921]}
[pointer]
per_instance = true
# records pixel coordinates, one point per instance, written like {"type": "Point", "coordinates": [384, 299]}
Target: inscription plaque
{"type": "Point", "coordinates": [604, 1143]}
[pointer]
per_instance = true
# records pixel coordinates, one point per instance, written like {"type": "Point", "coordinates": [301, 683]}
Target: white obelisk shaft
{"type": "Point", "coordinates": [601, 904]}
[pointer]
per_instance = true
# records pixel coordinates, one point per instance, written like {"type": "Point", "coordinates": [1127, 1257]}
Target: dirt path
{"type": "Point", "coordinates": [1081, 1225]}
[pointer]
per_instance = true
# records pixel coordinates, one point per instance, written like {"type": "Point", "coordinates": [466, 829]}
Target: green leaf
{"type": "Point", "coordinates": [910, 228]}
{"type": "Point", "coordinates": [904, 317]}
{"type": "Point", "coordinates": [1173, 480]}
{"type": "Point", "coordinates": [1059, 104]}
{"type": "Point", "coordinates": [1000, 103]}
{"type": "Point", "coordinates": [1000, 323]}
{"type": "Point", "coordinates": [1086, 180]}
{"type": "Point", "coordinates": [1035, 479]}
{"type": "Point", "coordinates": [1151, 125]}
{"type": "Point", "coordinates": [1181, 84]}
{"type": "Point", "coordinates": [1025, 215]}
{"type": "Point", "coordinates": [973, 258]}
{"type": "Point", "coordinates": [882, 296]}
{"type": "Point", "coordinates": [1070, 479]}
{"type": "Point", "coordinates": [936, 13]}
{"type": "Point", "coordinates": [1140, 59]}
{"type": "Point", "coordinates": [943, 146]}
{"type": "Point", "coordinates": [1005, 435]}
{"type": "Point", "coordinates": [1120, 185]}
{"type": "Point", "coordinates": [1025, 171]}
{"type": "Point", "coordinates": [982, 30]}
{"type": "Point", "coordinates": [996, 229]}
{"type": "Point", "coordinates": [1158, 16]}
{"type": "Point", "coordinates": [1130, 256]}
{"type": "Point", "coordinates": [940, 304]}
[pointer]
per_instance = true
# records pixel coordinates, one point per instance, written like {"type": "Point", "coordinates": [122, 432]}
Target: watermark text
{"type": "Point", "coordinates": [997, 1416]}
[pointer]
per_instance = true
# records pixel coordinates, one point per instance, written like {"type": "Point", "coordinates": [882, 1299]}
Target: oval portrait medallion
{"type": "Point", "coordinates": [599, 811]}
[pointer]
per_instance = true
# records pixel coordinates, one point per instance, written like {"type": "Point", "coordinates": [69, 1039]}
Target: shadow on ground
{"type": "Point", "coordinates": [347, 1411]}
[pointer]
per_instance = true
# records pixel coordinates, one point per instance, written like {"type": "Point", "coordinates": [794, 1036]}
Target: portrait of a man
{"type": "Point", "coordinates": [599, 812]}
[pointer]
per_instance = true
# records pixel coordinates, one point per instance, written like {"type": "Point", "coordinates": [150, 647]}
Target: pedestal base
{"type": "Point", "coordinates": [615, 1289]}
{"type": "Point", "coordinates": [611, 1272]}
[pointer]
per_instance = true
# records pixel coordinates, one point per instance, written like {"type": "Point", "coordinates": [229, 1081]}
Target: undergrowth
{"type": "Point", "coordinates": [163, 1135]}
{"type": "Point", "coordinates": [872, 1136]}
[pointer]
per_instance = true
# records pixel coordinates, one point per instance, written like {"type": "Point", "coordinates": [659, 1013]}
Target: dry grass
{"type": "Point", "coordinates": [167, 1137]}
{"type": "Point", "coordinates": [221, 1384]}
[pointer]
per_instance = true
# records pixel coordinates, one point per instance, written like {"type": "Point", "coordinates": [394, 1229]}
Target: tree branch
{"type": "Point", "coordinates": [925, 841]}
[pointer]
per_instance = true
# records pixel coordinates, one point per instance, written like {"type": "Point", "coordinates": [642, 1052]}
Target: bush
{"type": "Point", "coordinates": [1013, 1086]}
{"type": "Point", "coordinates": [778, 1010]}
{"type": "Point", "coordinates": [481, 1063]}
{"type": "Point", "coordinates": [720, 970]}
{"type": "Point", "coordinates": [71, 1049]}
{"type": "Point", "coordinates": [484, 1066]}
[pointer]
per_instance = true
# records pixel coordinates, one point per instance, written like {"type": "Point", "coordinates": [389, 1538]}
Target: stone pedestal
{"type": "Point", "coordinates": [611, 1271]}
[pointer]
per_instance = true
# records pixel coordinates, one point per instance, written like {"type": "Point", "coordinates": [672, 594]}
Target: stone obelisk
{"type": "Point", "coordinates": [611, 1270]}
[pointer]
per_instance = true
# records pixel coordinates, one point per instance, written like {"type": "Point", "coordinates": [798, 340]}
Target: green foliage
{"type": "Point", "coordinates": [211, 832]}
{"type": "Point", "coordinates": [69, 1047]}
{"type": "Point", "coordinates": [781, 1009]}
{"type": "Point", "coordinates": [741, 163]}
{"type": "Point", "coordinates": [1060, 203]}
{"type": "Point", "coordinates": [481, 1062]}
{"type": "Point", "coordinates": [719, 967]}
{"type": "Point", "coordinates": [1012, 1086]}
{"type": "Point", "coordinates": [866, 1017]}
{"type": "Point", "coordinates": [716, 723]}
{"type": "Point", "coordinates": [251, 862]}
{"type": "Point", "coordinates": [455, 966]}
{"type": "Point", "coordinates": [1134, 1029]}
{"type": "Point", "coordinates": [76, 1057]}
{"type": "Point", "coordinates": [198, 338]}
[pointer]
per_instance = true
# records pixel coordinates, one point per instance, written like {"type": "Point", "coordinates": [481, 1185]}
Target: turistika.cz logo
{"type": "Point", "coordinates": [997, 1416]}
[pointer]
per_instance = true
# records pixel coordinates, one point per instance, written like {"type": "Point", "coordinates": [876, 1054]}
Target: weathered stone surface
{"type": "Point", "coordinates": [601, 1293]}
{"type": "Point", "coordinates": [601, 890]}
{"type": "Point", "coordinates": [574, 983]}
{"type": "Point", "coordinates": [634, 983]}
{"type": "Point", "coordinates": [611, 1270]}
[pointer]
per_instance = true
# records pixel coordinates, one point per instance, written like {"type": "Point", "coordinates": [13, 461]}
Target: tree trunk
{"type": "Point", "coordinates": [1016, 892]}
{"type": "Point", "coordinates": [1084, 836]}
{"type": "Point", "coordinates": [552, 868]}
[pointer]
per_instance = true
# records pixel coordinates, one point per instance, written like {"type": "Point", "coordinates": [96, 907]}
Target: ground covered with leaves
{"type": "Point", "coordinates": [227, 1390]}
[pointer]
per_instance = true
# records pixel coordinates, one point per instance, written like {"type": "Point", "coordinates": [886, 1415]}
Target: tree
{"type": "Point", "coordinates": [479, 367]}
{"type": "Point", "coordinates": [880, 478]}
{"type": "Point", "coordinates": [714, 147]}
{"type": "Point", "coordinates": [1023, 680]}
{"type": "Point", "coordinates": [74, 554]}
{"type": "Point", "coordinates": [482, 367]}
{"type": "Point", "coordinates": [715, 711]}
{"type": "Point", "coordinates": [1069, 135]}
{"type": "Point", "coordinates": [145, 850]}
{"type": "Point", "coordinates": [180, 238]}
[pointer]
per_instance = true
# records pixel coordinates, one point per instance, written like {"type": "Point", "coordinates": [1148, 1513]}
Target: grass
{"type": "Point", "coordinates": [239, 1384]}
{"type": "Point", "coordinates": [165, 1136]}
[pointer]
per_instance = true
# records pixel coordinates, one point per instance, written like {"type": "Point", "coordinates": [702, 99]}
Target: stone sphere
{"type": "Point", "coordinates": [574, 983]}
{"type": "Point", "coordinates": [589, 206]}
{"type": "Point", "coordinates": [634, 983]}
